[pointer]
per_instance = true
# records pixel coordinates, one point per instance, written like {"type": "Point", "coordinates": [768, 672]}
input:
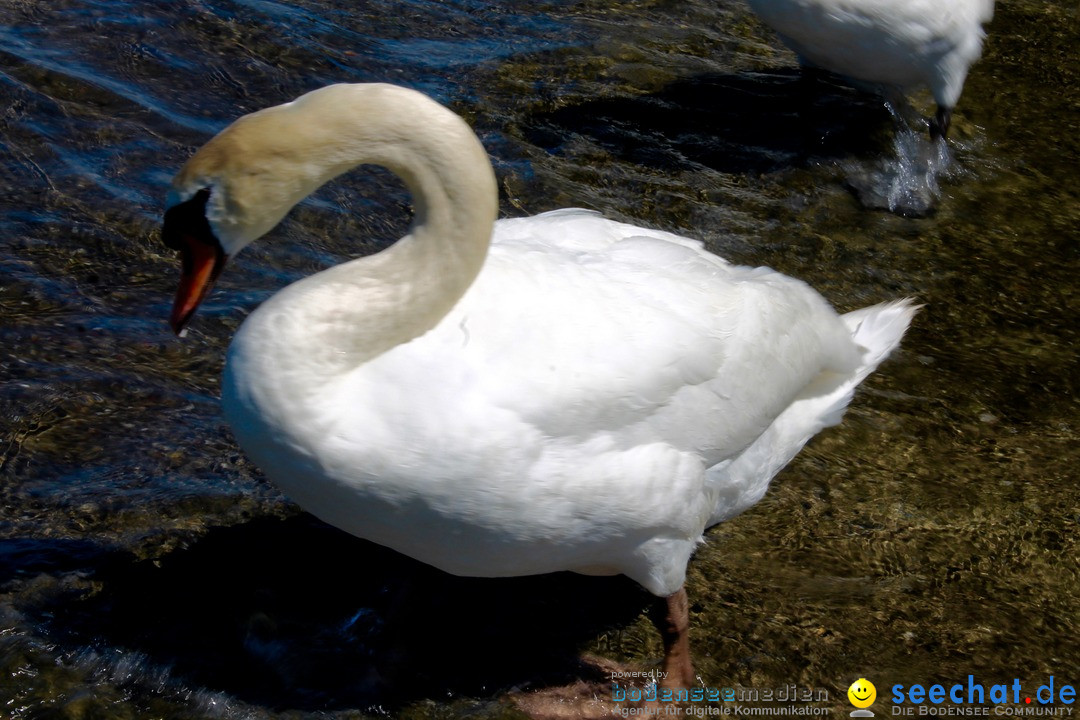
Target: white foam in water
{"type": "Point", "coordinates": [907, 183]}
{"type": "Point", "coordinates": [127, 670]}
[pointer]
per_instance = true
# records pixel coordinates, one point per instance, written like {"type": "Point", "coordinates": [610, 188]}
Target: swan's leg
{"type": "Point", "coordinates": [939, 126]}
{"type": "Point", "coordinates": [672, 618]}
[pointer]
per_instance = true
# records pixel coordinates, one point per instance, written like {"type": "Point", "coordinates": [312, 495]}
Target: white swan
{"type": "Point", "coordinates": [581, 395]}
{"type": "Point", "coordinates": [897, 43]}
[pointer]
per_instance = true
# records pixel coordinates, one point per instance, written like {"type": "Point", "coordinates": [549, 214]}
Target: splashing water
{"type": "Point", "coordinates": [905, 183]}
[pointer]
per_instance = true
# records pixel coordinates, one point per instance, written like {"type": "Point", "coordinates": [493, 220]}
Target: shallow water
{"type": "Point", "coordinates": [148, 570]}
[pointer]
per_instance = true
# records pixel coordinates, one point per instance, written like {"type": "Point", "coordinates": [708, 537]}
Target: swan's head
{"type": "Point", "coordinates": [235, 189]}
{"type": "Point", "coordinates": [226, 196]}
{"type": "Point", "coordinates": [239, 185]}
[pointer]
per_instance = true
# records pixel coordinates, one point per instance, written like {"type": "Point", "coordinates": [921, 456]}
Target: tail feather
{"type": "Point", "coordinates": [878, 329]}
{"type": "Point", "coordinates": [742, 481]}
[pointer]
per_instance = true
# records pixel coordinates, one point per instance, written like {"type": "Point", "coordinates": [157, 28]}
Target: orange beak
{"type": "Point", "coordinates": [186, 230]}
{"type": "Point", "coordinates": [201, 263]}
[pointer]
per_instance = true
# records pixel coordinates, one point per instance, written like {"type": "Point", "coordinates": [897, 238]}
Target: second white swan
{"type": "Point", "coordinates": [895, 43]}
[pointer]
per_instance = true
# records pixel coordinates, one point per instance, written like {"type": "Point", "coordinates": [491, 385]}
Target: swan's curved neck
{"type": "Point", "coordinates": [346, 315]}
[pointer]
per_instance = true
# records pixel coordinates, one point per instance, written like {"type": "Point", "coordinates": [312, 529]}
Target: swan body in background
{"type": "Point", "coordinates": [895, 43]}
{"type": "Point", "coordinates": [499, 398]}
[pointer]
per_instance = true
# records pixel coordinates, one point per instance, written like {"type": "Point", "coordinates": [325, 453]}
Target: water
{"type": "Point", "coordinates": [147, 569]}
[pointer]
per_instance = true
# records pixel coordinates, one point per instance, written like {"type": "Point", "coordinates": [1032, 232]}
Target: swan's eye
{"type": "Point", "coordinates": [187, 219]}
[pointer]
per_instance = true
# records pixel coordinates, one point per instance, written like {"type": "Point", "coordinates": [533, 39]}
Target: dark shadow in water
{"type": "Point", "coordinates": [741, 123]}
{"type": "Point", "coordinates": [28, 557]}
{"type": "Point", "coordinates": [295, 614]}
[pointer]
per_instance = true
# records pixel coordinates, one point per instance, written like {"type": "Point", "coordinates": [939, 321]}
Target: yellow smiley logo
{"type": "Point", "coordinates": [862, 693]}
